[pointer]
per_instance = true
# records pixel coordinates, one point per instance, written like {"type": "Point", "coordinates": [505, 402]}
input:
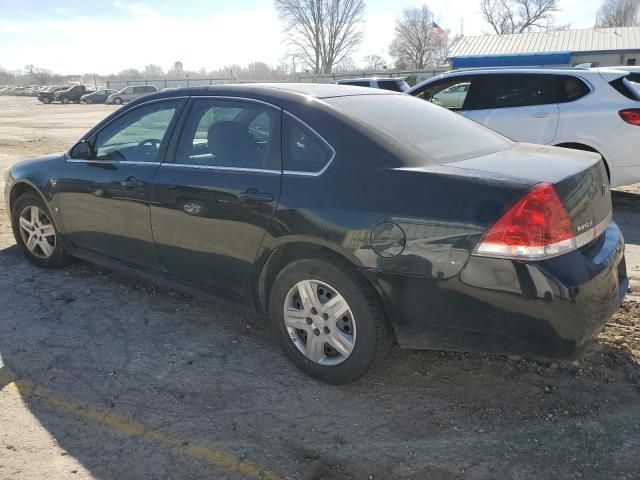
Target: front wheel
{"type": "Point", "coordinates": [46, 100]}
{"type": "Point", "coordinates": [329, 320]}
{"type": "Point", "coordinates": [36, 234]}
{"type": "Point", "coordinates": [117, 101]}
{"type": "Point", "coordinates": [88, 101]}
{"type": "Point", "coordinates": [64, 100]}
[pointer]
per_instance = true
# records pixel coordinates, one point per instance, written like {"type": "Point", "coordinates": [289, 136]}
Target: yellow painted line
{"type": "Point", "coordinates": [133, 428]}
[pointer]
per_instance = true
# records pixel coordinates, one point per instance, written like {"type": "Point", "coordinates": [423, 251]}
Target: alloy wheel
{"type": "Point", "coordinates": [37, 232]}
{"type": "Point", "coordinates": [320, 322]}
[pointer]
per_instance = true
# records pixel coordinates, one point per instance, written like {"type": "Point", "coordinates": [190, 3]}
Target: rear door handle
{"type": "Point", "coordinates": [132, 182]}
{"type": "Point", "coordinates": [253, 195]}
{"type": "Point", "coordinates": [540, 115]}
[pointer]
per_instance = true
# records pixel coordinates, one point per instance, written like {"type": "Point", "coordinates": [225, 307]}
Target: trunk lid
{"type": "Point", "coordinates": [579, 178]}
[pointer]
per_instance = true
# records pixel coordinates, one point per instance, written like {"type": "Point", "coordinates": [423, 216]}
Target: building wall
{"type": "Point", "coordinates": [610, 59]}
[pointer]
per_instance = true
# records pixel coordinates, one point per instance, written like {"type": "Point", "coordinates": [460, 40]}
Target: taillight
{"type": "Point", "coordinates": [631, 115]}
{"type": "Point", "coordinates": [537, 226]}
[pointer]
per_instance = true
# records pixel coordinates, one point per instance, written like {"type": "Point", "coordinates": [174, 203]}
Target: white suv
{"type": "Point", "coordinates": [596, 110]}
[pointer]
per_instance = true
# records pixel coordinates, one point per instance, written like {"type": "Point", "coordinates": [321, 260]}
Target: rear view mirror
{"type": "Point", "coordinates": [81, 151]}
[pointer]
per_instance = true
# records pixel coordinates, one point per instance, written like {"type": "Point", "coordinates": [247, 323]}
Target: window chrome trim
{"type": "Point", "coordinates": [110, 162]}
{"type": "Point", "coordinates": [227, 169]}
{"type": "Point", "coordinates": [327, 165]}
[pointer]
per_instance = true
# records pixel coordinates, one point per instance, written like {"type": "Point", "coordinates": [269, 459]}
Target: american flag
{"type": "Point", "coordinates": [437, 30]}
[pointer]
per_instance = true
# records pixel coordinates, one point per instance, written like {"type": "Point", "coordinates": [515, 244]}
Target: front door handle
{"type": "Point", "coordinates": [254, 196]}
{"type": "Point", "coordinates": [132, 182]}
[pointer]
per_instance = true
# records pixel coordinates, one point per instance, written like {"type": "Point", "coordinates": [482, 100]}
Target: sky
{"type": "Point", "coordinates": [107, 36]}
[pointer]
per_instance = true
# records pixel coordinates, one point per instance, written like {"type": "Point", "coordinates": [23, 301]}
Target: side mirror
{"type": "Point", "coordinates": [82, 151]}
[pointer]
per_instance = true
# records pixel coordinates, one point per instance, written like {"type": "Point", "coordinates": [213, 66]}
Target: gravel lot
{"type": "Point", "coordinates": [105, 376]}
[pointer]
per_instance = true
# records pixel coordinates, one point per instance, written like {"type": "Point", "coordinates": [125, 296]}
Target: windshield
{"type": "Point", "coordinates": [431, 132]}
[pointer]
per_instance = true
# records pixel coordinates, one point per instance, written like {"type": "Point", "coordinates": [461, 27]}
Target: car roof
{"type": "Point", "coordinates": [283, 91]}
{"type": "Point", "coordinates": [610, 72]}
{"type": "Point", "coordinates": [366, 79]}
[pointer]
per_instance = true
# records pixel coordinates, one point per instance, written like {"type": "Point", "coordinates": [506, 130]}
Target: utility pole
{"type": "Point", "coordinates": [462, 27]}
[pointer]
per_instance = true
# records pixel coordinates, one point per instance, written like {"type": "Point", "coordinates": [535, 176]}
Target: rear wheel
{"type": "Point", "coordinates": [46, 100]}
{"type": "Point", "coordinates": [36, 234]}
{"type": "Point", "coordinates": [117, 101]}
{"type": "Point", "coordinates": [88, 101]}
{"type": "Point", "coordinates": [64, 100]}
{"type": "Point", "coordinates": [329, 320]}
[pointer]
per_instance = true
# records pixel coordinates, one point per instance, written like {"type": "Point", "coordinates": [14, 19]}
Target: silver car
{"type": "Point", "coordinates": [130, 93]}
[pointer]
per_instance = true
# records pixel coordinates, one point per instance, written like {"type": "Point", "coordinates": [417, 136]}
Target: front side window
{"type": "Point", "coordinates": [357, 84]}
{"type": "Point", "coordinates": [304, 150]}
{"type": "Point", "coordinates": [449, 93]}
{"type": "Point", "coordinates": [508, 91]}
{"type": "Point", "coordinates": [230, 134]}
{"type": "Point", "coordinates": [128, 90]}
{"type": "Point", "coordinates": [138, 135]}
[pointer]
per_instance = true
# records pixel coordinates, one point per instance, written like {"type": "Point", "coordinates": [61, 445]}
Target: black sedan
{"type": "Point", "coordinates": [97, 97]}
{"type": "Point", "coordinates": [354, 217]}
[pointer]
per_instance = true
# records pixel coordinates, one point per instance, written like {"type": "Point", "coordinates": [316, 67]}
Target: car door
{"type": "Point", "coordinates": [104, 198]}
{"type": "Point", "coordinates": [521, 107]}
{"type": "Point", "coordinates": [212, 204]}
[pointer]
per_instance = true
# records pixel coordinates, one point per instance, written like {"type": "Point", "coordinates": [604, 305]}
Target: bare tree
{"type": "Point", "coordinates": [418, 41]}
{"type": "Point", "coordinates": [323, 32]}
{"type": "Point", "coordinates": [374, 62]}
{"type": "Point", "coordinates": [618, 13]}
{"type": "Point", "coordinates": [518, 16]}
{"type": "Point", "coordinates": [153, 71]}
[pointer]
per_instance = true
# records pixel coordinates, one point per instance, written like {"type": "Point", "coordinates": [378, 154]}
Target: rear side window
{"type": "Point", "coordinates": [304, 150]}
{"type": "Point", "coordinates": [508, 91]}
{"type": "Point", "coordinates": [393, 85]}
{"type": "Point", "coordinates": [569, 89]}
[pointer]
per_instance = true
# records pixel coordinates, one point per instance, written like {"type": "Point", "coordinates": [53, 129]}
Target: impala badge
{"type": "Point", "coordinates": [603, 189]}
{"type": "Point", "coordinates": [584, 226]}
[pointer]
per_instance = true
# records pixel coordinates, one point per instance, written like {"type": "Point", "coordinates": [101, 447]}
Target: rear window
{"type": "Point", "coordinates": [627, 88]}
{"type": "Point", "coordinates": [431, 132]}
{"type": "Point", "coordinates": [393, 85]}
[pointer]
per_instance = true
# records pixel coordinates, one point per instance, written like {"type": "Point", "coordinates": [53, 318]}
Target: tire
{"type": "Point", "coordinates": [88, 101]}
{"type": "Point", "coordinates": [64, 100]}
{"type": "Point", "coordinates": [370, 333]}
{"type": "Point", "coordinates": [58, 256]}
{"type": "Point", "coordinates": [46, 100]}
{"type": "Point", "coordinates": [117, 101]}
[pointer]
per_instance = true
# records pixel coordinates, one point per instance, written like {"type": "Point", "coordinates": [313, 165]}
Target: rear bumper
{"type": "Point", "coordinates": [548, 309]}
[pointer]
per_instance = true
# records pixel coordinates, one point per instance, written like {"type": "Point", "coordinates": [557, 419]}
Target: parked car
{"type": "Point", "coordinates": [595, 110]}
{"type": "Point", "coordinates": [130, 93]}
{"type": "Point", "coordinates": [455, 238]}
{"type": "Point", "coordinates": [97, 97]}
{"type": "Point", "coordinates": [47, 96]}
{"type": "Point", "coordinates": [392, 84]}
{"type": "Point", "coordinates": [71, 94]}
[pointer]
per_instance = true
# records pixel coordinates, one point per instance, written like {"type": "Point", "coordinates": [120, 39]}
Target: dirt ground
{"type": "Point", "coordinates": [105, 376]}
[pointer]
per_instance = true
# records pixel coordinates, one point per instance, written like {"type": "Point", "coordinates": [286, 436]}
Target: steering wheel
{"type": "Point", "coordinates": [147, 149]}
